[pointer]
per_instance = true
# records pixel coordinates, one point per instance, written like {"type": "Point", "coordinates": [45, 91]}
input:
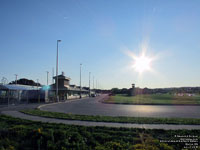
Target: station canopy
{"type": "Point", "coordinates": [18, 87]}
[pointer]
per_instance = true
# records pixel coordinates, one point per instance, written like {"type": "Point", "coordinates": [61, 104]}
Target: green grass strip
{"type": "Point", "coordinates": [120, 119]}
{"type": "Point", "coordinates": [155, 99]}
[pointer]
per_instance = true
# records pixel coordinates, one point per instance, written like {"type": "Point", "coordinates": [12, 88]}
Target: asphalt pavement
{"type": "Point", "coordinates": [93, 106]}
{"type": "Point", "coordinates": [19, 107]}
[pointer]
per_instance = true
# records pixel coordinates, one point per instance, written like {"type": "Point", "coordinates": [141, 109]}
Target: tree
{"type": "Point", "coordinates": [25, 81]}
{"type": "Point", "coordinates": [115, 91]}
{"type": "Point", "coordinates": [124, 91]}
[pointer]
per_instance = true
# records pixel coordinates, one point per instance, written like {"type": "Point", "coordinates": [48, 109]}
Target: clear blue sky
{"type": "Point", "coordinates": [96, 34]}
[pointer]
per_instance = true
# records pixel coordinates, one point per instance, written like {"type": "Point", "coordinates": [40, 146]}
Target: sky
{"type": "Point", "coordinates": [101, 34]}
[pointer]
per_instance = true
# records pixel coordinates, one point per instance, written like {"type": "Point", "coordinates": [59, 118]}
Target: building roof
{"type": "Point", "coordinates": [62, 77]}
{"type": "Point", "coordinates": [86, 88]}
{"type": "Point", "coordinates": [75, 88]}
{"type": "Point", "coordinates": [71, 88]}
{"type": "Point", "coordinates": [18, 87]}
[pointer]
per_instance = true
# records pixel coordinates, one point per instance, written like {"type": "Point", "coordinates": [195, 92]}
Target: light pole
{"type": "Point", "coordinates": [38, 91]}
{"type": "Point", "coordinates": [93, 82]}
{"type": "Point", "coordinates": [80, 80]}
{"type": "Point", "coordinates": [96, 86]}
{"type": "Point", "coordinates": [89, 83]}
{"type": "Point", "coordinates": [47, 77]}
{"type": "Point", "coordinates": [47, 89]}
{"type": "Point", "coordinates": [57, 72]}
{"type": "Point", "coordinates": [37, 83]}
{"type": "Point", "coordinates": [52, 75]}
{"type": "Point", "coordinates": [16, 78]}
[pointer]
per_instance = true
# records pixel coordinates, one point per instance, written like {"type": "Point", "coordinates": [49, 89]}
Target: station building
{"type": "Point", "coordinates": [15, 94]}
{"type": "Point", "coordinates": [65, 90]}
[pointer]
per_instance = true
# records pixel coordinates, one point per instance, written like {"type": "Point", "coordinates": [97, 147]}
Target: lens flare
{"type": "Point", "coordinates": [142, 63]}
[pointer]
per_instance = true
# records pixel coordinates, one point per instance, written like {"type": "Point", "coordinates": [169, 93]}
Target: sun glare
{"type": "Point", "coordinates": [142, 63]}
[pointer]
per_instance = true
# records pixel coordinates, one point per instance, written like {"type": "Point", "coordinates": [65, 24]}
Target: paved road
{"type": "Point", "coordinates": [89, 123]}
{"type": "Point", "coordinates": [86, 106]}
{"type": "Point", "coordinates": [92, 106]}
{"type": "Point", "coordinates": [19, 107]}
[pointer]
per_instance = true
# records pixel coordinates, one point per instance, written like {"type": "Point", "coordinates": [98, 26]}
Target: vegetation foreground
{"type": "Point", "coordinates": [159, 99]}
{"type": "Point", "coordinates": [122, 119]}
{"type": "Point", "coordinates": [18, 134]}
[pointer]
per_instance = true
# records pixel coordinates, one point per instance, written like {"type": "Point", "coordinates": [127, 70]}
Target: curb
{"type": "Point", "coordinates": [67, 101]}
{"type": "Point", "coordinates": [17, 114]}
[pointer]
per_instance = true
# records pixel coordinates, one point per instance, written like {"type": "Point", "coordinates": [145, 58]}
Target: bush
{"type": "Point", "coordinates": [22, 134]}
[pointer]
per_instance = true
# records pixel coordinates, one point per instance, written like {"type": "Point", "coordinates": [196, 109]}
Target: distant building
{"type": "Point", "coordinates": [132, 90]}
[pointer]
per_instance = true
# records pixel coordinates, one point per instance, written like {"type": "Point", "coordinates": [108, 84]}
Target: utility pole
{"type": "Point", "coordinates": [80, 80]}
{"type": "Point", "coordinates": [16, 78]}
{"type": "Point", "coordinates": [4, 80]}
{"type": "Point", "coordinates": [57, 72]}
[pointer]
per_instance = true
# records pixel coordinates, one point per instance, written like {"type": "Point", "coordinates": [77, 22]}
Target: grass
{"type": "Point", "coordinates": [159, 99]}
{"type": "Point", "coordinates": [138, 120]}
{"type": "Point", "coordinates": [18, 133]}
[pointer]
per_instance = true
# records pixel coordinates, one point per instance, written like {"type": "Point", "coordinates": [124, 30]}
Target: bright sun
{"type": "Point", "coordinates": [142, 63]}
